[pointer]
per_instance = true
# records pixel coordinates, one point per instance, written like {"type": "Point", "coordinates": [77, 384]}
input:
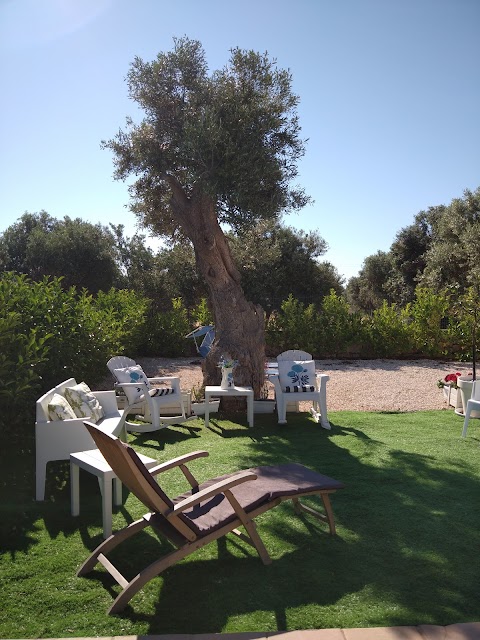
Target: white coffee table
{"type": "Point", "coordinates": [93, 462]}
{"type": "Point", "coordinates": [211, 391]}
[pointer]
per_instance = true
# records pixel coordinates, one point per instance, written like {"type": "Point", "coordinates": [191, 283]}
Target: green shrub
{"type": "Point", "coordinates": [338, 327]}
{"type": "Point", "coordinates": [201, 314]}
{"type": "Point", "coordinates": [389, 332]}
{"type": "Point", "coordinates": [166, 331]}
{"type": "Point", "coordinates": [293, 327]}
{"type": "Point", "coordinates": [49, 334]}
{"type": "Point", "coordinates": [427, 312]}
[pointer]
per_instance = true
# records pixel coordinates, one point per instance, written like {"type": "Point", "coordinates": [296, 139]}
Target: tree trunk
{"type": "Point", "coordinates": [239, 324]}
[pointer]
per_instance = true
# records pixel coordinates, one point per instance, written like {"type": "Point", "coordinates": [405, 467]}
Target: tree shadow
{"type": "Point", "coordinates": [392, 518]}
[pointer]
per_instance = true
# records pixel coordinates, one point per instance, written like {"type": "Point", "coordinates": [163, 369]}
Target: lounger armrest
{"type": "Point", "coordinates": [176, 462]}
{"type": "Point", "coordinates": [213, 490]}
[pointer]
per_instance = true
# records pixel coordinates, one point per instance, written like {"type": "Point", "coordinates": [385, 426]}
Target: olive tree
{"type": "Point", "coordinates": [213, 150]}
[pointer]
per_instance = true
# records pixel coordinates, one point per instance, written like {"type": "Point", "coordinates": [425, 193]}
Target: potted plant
{"type": "Point", "coordinates": [468, 313]}
{"type": "Point", "coordinates": [452, 395]}
{"type": "Point", "coordinates": [198, 401]}
{"type": "Point", "coordinates": [264, 404]}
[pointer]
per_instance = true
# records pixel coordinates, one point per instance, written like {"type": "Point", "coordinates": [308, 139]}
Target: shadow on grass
{"type": "Point", "coordinates": [408, 529]}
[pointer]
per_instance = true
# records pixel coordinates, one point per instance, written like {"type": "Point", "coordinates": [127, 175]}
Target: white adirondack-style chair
{"type": "Point", "coordinates": [151, 394]}
{"type": "Point", "coordinates": [297, 381]}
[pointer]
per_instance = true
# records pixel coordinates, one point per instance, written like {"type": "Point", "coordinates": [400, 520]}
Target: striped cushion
{"type": "Point", "coordinates": [156, 392]}
{"type": "Point", "coordinates": [160, 391]}
{"type": "Point", "coordinates": [302, 389]}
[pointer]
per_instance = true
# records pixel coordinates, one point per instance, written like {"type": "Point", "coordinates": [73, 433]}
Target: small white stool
{"type": "Point", "coordinates": [235, 391]}
{"type": "Point", "coordinates": [95, 463]}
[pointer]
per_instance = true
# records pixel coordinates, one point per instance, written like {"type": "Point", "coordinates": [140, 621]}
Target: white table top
{"type": "Point", "coordinates": [210, 389]}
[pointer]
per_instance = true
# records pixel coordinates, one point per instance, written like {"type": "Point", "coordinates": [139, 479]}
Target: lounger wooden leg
{"type": "Point", "coordinates": [110, 543]}
{"type": "Point", "coordinates": [327, 517]}
{"type": "Point", "coordinates": [250, 528]}
{"type": "Point", "coordinates": [153, 570]}
{"type": "Point", "coordinates": [328, 510]}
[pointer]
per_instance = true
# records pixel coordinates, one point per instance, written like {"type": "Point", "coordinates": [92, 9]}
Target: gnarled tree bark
{"type": "Point", "coordinates": [239, 324]}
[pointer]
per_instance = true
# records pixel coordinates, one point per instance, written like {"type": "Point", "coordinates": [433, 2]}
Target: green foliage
{"type": "Point", "coordinates": [48, 334]}
{"type": "Point", "coordinates": [293, 327]}
{"type": "Point", "coordinates": [166, 331]}
{"type": "Point", "coordinates": [427, 312]}
{"type": "Point", "coordinates": [466, 311]}
{"type": "Point", "coordinates": [83, 254]}
{"type": "Point", "coordinates": [201, 314]}
{"type": "Point", "coordinates": [389, 332]}
{"type": "Point", "coordinates": [338, 327]}
{"type": "Point", "coordinates": [22, 352]}
{"type": "Point", "coordinates": [121, 315]}
{"type": "Point", "coordinates": [277, 261]}
{"type": "Point", "coordinates": [233, 134]}
{"type": "Point", "coordinates": [440, 249]}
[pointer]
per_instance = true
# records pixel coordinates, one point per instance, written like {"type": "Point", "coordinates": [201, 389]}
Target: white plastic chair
{"type": "Point", "coordinates": [57, 439]}
{"type": "Point", "coordinates": [151, 405]}
{"type": "Point", "coordinates": [472, 405]}
{"type": "Point", "coordinates": [298, 391]}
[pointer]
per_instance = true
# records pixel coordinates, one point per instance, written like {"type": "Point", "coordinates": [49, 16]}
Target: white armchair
{"type": "Point", "coordinates": [57, 439]}
{"type": "Point", "coordinates": [152, 394]}
{"type": "Point", "coordinates": [297, 381]}
{"type": "Point", "coordinates": [473, 404]}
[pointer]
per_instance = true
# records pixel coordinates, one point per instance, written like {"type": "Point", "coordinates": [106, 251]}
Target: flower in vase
{"type": "Point", "coordinates": [227, 363]}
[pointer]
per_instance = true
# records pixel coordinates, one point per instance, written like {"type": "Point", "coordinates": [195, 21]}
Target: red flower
{"type": "Point", "coordinates": [452, 377]}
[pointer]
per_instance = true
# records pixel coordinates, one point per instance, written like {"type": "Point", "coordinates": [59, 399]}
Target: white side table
{"type": "Point", "coordinates": [95, 463]}
{"type": "Point", "coordinates": [235, 391]}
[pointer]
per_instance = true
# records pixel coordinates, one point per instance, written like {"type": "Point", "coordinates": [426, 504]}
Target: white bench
{"type": "Point", "coordinates": [57, 439]}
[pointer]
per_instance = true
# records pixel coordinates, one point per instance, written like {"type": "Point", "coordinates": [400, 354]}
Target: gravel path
{"type": "Point", "coordinates": [358, 385]}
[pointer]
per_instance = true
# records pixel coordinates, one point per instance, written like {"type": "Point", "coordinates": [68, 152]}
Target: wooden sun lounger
{"type": "Point", "coordinates": [207, 512]}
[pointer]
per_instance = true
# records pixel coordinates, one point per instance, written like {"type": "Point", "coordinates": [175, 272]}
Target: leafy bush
{"type": "Point", "coordinates": [338, 327]}
{"type": "Point", "coordinates": [48, 334]}
{"type": "Point", "coordinates": [427, 312]}
{"type": "Point", "coordinates": [389, 332]}
{"type": "Point", "coordinates": [165, 333]}
{"type": "Point", "coordinates": [293, 327]}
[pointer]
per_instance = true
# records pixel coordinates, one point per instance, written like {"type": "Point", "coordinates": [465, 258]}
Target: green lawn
{"type": "Point", "coordinates": [407, 549]}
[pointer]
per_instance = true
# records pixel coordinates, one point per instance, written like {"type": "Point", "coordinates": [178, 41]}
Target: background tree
{"type": "Point", "coordinates": [454, 253]}
{"type": "Point", "coordinates": [367, 291]}
{"type": "Point", "coordinates": [277, 261]}
{"type": "Point", "coordinates": [213, 148]}
{"type": "Point", "coordinates": [83, 253]}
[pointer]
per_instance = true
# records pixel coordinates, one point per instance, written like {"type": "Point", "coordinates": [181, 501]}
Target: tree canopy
{"type": "Point", "coordinates": [440, 249]}
{"type": "Point", "coordinates": [82, 253]}
{"type": "Point", "coordinates": [213, 149]}
{"type": "Point", "coordinates": [232, 134]}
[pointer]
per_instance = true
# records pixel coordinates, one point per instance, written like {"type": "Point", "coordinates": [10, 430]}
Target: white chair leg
{"type": "Point", "coordinates": [323, 407]}
{"type": "Point", "coordinates": [467, 418]}
{"type": "Point", "coordinates": [281, 409]}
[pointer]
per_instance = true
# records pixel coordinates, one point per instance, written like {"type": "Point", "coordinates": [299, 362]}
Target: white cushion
{"type": "Point", "coordinates": [83, 402]}
{"type": "Point", "coordinates": [59, 409]}
{"type": "Point", "coordinates": [134, 373]}
{"type": "Point", "coordinates": [296, 373]}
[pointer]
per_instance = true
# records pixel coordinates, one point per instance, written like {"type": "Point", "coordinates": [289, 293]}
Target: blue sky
{"type": "Point", "coordinates": [389, 101]}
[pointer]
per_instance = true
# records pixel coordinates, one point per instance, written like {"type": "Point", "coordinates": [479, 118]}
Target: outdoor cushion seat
{"type": "Point", "coordinates": [151, 395]}
{"type": "Point", "coordinates": [271, 482]}
{"type": "Point", "coordinates": [205, 513]}
{"type": "Point", "coordinates": [295, 380]}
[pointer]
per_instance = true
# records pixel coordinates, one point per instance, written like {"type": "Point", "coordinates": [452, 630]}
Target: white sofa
{"type": "Point", "coordinates": [56, 440]}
